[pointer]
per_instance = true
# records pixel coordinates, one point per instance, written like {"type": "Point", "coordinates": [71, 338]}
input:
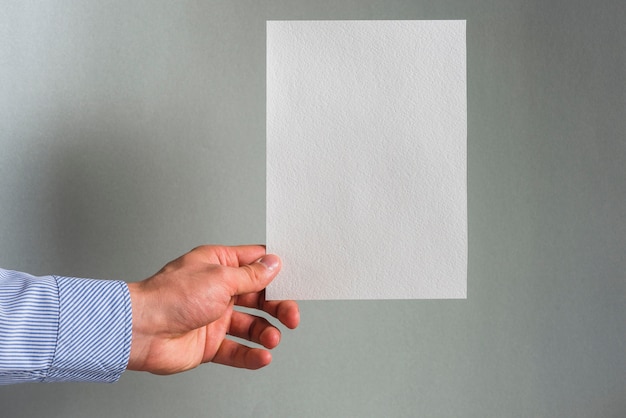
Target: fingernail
{"type": "Point", "coordinates": [270, 261]}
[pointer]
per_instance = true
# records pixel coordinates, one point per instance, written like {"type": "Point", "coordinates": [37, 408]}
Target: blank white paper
{"type": "Point", "coordinates": [366, 159]}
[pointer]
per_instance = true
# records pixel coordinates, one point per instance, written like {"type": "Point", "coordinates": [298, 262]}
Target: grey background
{"type": "Point", "coordinates": [131, 133]}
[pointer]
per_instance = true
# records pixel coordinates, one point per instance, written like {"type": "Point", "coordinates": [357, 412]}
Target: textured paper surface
{"type": "Point", "coordinates": [366, 159]}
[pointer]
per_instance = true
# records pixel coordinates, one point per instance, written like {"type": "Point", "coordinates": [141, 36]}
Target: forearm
{"type": "Point", "coordinates": [62, 329]}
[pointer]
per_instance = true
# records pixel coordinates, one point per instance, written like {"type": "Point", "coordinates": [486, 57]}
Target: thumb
{"type": "Point", "coordinates": [256, 276]}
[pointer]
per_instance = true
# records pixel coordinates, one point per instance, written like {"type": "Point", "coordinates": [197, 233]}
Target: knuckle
{"type": "Point", "coordinates": [220, 273]}
{"type": "Point", "coordinates": [250, 272]}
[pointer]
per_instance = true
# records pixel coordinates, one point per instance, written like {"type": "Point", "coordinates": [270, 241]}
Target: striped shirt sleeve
{"type": "Point", "coordinates": [56, 329]}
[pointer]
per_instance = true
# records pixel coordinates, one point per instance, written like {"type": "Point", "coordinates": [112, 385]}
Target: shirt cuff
{"type": "Point", "coordinates": [95, 329]}
{"type": "Point", "coordinates": [29, 324]}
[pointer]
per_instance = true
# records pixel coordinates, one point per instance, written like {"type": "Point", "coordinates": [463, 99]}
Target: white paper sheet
{"type": "Point", "coordinates": [366, 159]}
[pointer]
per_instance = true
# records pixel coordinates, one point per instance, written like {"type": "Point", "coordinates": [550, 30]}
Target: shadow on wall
{"type": "Point", "coordinates": [102, 201]}
{"type": "Point", "coordinates": [100, 206]}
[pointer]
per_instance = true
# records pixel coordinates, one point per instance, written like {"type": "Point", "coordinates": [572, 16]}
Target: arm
{"type": "Point", "coordinates": [62, 329]}
{"type": "Point", "coordinates": [66, 329]}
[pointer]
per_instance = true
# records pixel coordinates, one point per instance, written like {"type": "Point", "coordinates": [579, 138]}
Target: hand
{"type": "Point", "coordinates": [182, 314]}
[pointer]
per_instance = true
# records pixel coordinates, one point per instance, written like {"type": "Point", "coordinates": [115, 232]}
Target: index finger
{"type": "Point", "coordinates": [286, 311]}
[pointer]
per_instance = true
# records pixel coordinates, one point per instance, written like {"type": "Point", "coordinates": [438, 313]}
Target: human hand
{"type": "Point", "coordinates": [182, 314]}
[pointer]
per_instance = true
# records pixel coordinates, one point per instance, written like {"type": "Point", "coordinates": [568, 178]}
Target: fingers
{"type": "Point", "coordinates": [234, 256]}
{"type": "Point", "coordinates": [247, 254]}
{"type": "Point", "coordinates": [234, 354]}
{"type": "Point", "coordinates": [286, 311]}
{"type": "Point", "coordinates": [253, 277]}
{"type": "Point", "coordinates": [255, 329]}
{"type": "Point", "coordinates": [252, 328]}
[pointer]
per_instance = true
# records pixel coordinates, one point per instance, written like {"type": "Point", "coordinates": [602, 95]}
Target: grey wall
{"type": "Point", "coordinates": [131, 133]}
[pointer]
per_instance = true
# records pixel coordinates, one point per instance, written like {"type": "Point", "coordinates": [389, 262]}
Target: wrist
{"type": "Point", "coordinates": [138, 346]}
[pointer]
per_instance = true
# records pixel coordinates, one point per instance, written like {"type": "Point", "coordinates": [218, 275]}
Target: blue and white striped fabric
{"type": "Point", "coordinates": [56, 329]}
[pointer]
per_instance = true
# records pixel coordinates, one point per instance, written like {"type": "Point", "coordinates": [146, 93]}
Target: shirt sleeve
{"type": "Point", "coordinates": [55, 329]}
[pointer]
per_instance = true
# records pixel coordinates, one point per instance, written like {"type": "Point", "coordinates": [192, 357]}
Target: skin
{"type": "Point", "coordinates": [182, 314]}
